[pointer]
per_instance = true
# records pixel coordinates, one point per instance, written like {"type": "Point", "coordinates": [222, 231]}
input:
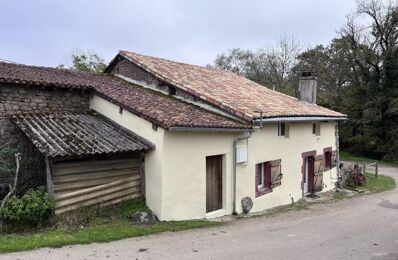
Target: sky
{"type": "Point", "coordinates": [47, 32]}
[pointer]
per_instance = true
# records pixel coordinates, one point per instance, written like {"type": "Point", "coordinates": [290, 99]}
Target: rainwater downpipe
{"type": "Point", "coordinates": [249, 134]}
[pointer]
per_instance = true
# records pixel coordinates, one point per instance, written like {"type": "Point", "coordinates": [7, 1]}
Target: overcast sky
{"type": "Point", "coordinates": [46, 32]}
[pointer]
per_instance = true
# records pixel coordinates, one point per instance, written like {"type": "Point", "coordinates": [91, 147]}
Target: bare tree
{"type": "Point", "coordinates": [12, 188]}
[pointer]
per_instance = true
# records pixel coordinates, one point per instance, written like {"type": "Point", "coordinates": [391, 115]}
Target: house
{"type": "Point", "coordinates": [192, 141]}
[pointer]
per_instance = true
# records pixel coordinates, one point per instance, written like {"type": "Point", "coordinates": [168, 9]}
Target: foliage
{"type": "Point", "coordinates": [346, 156]}
{"type": "Point", "coordinates": [32, 168]}
{"type": "Point", "coordinates": [86, 62]}
{"type": "Point", "coordinates": [131, 206]}
{"type": "Point", "coordinates": [271, 67]}
{"type": "Point", "coordinates": [98, 233]}
{"type": "Point", "coordinates": [33, 209]}
{"type": "Point", "coordinates": [357, 75]}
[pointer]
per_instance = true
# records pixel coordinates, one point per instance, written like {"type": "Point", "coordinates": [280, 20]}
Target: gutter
{"type": "Point", "coordinates": [299, 119]}
{"type": "Point", "coordinates": [208, 129]}
{"type": "Point", "coordinates": [249, 134]}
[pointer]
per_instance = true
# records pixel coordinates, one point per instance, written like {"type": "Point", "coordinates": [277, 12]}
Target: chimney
{"type": "Point", "coordinates": [307, 87]}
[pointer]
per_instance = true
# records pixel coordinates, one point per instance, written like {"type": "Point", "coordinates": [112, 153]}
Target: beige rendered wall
{"type": "Point", "coordinates": [153, 159]}
{"type": "Point", "coordinates": [176, 169]}
{"type": "Point", "coordinates": [265, 145]}
{"type": "Point", "coordinates": [184, 170]}
{"type": "Point", "coordinates": [184, 190]}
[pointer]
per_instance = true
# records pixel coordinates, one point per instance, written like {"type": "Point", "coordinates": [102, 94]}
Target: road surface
{"type": "Point", "coordinates": [360, 228]}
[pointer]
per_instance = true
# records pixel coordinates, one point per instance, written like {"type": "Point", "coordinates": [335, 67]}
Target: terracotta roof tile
{"type": "Point", "coordinates": [235, 93]}
{"type": "Point", "coordinates": [163, 110]}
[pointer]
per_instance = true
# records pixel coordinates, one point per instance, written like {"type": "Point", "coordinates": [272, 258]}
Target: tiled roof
{"type": "Point", "coordinates": [43, 76]}
{"type": "Point", "coordinates": [158, 108]}
{"type": "Point", "coordinates": [78, 134]}
{"type": "Point", "coordinates": [227, 90]}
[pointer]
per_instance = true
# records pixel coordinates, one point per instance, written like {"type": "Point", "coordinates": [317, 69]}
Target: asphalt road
{"type": "Point", "coordinates": [360, 228]}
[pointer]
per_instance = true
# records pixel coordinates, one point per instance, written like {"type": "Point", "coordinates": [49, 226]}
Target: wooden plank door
{"type": "Point", "coordinates": [213, 183]}
{"type": "Point", "coordinates": [311, 172]}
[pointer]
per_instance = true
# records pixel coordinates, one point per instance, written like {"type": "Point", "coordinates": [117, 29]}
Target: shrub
{"type": "Point", "coordinates": [33, 209]}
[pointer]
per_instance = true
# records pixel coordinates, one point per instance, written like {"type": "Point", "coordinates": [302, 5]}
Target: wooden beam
{"type": "Point", "coordinates": [50, 183]}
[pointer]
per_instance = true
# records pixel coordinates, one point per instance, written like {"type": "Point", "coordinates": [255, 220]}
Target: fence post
{"type": "Point", "coordinates": [377, 169]}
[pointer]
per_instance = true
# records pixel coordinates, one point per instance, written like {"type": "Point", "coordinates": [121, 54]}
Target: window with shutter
{"type": "Point", "coordinates": [268, 176]}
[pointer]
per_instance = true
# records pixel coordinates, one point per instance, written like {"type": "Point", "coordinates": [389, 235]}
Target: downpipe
{"type": "Point", "coordinates": [249, 134]}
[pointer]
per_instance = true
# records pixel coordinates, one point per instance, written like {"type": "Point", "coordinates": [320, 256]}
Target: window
{"type": "Point", "coordinates": [316, 129]}
{"type": "Point", "coordinates": [268, 176]}
{"type": "Point", "coordinates": [283, 129]}
{"type": "Point", "coordinates": [328, 160]}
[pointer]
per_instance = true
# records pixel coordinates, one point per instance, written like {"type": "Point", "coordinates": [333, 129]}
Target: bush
{"type": "Point", "coordinates": [31, 210]}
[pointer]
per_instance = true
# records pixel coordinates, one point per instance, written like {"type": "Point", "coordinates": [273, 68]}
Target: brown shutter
{"type": "Point", "coordinates": [258, 176]}
{"type": "Point", "coordinates": [276, 174]}
{"type": "Point", "coordinates": [318, 173]}
{"type": "Point", "coordinates": [319, 164]}
{"type": "Point", "coordinates": [267, 175]}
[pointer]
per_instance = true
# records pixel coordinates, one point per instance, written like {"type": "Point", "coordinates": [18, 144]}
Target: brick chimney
{"type": "Point", "coordinates": [307, 87]}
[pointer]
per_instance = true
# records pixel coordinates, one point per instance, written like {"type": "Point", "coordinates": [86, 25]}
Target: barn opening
{"type": "Point", "coordinates": [89, 158]}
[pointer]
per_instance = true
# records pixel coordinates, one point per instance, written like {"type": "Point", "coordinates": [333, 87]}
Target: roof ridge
{"type": "Point", "coordinates": [178, 62]}
{"type": "Point", "coordinates": [49, 68]}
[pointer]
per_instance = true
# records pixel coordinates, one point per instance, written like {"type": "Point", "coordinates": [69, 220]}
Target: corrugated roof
{"type": "Point", "coordinates": [227, 90]}
{"type": "Point", "coordinates": [158, 108]}
{"type": "Point", "coordinates": [78, 134]}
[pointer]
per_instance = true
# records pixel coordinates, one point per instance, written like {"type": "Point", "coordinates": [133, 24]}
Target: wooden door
{"type": "Point", "coordinates": [311, 172]}
{"type": "Point", "coordinates": [213, 183]}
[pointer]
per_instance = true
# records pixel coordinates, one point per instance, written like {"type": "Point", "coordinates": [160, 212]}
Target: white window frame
{"type": "Point", "coordinates": [261, 183]}
{"type": "Point", "coordinates": [280, 130]}
{"type": "Point", "coordinates": [317, 128]}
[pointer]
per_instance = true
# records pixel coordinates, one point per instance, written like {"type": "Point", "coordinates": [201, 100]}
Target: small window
{"type": "Point", "coordinates": [283, 130]}
{"type": "Point", "coordinates": [261, 177]}
{"type": "Point", "coordinates": [268, 176]}
{"type": "Point", "coordinates": [328, 159]}
{"type": "Point", "coordinates": [316, 129]}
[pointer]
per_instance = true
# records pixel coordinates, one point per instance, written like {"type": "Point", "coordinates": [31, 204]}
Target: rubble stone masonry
{"type": "Point", "coordinates": [15, 99]}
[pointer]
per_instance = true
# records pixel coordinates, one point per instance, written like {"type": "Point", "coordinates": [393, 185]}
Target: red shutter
{"type": "Point", "coordinates": [267, 175]}
{"type": "Point", "coordinates": [258, 176]}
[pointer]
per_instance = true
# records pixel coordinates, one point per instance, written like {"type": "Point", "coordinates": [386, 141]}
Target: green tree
{"type": "Point", "coordinates": [88, 62]}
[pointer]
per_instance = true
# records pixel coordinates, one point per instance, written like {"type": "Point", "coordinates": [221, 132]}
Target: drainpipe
{"type": "Point", "coordinates": [249, 134]}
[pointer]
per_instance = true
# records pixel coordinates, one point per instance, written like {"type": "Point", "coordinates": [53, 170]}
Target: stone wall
{"type": "Point", "coordinates": [16, 99]}
{"type": "Point", "coordinates": [129, 70]}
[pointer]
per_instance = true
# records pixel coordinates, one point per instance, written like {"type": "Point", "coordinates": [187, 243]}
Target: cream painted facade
{"type": "Point", "coordinates": [176, 169]}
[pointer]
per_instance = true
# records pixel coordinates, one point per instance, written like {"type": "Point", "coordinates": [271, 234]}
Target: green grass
{"type": "Point", "coordinates": [111, 224]}
{"type": "Point", "coordinates": [98, 233]}
{"type": "Point", "coordinates": [382, 183]}
{"type": "Point", "coordinates": [346, 156]}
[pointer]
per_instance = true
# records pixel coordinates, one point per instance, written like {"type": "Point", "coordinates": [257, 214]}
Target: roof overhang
{"type": "Point", "coordinates": [75, 135]}
{"type": "Point", "coordinates": [299, 119]}
{"type": "Point", "coordinates": [207, 129]}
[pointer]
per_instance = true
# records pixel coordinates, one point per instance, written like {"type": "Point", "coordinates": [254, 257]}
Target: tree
{"type": "Point", "coordinates": [88, 62]}
{"type": "Point", "coordinates": [271, 67]}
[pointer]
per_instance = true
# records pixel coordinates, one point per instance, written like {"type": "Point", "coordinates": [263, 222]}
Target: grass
{"type": "Point", "coordinates": [346, 156]}
{"type": "Point", "coordinates": [98, 233]}
{"type": "Point", "coordinates": [382, 183]}
{"type": "Point", "coordinates": [113, 224]}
